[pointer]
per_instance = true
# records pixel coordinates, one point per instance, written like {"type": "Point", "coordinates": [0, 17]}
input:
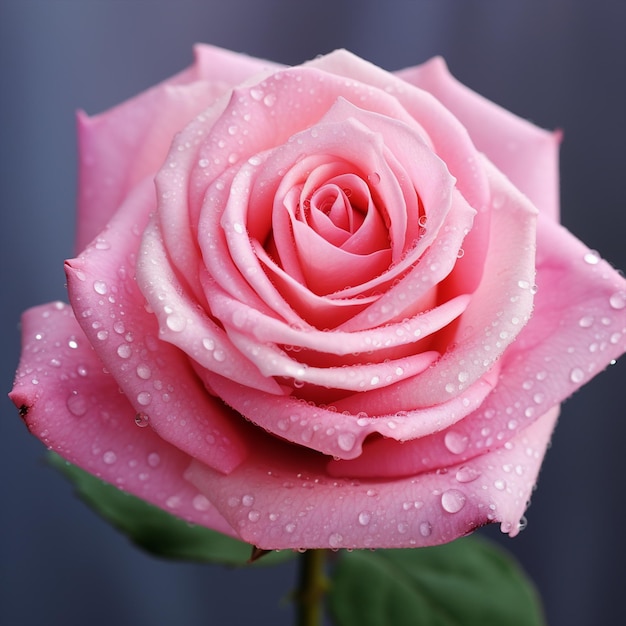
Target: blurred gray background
{"type": "Point", "coordinates": [560, 63]}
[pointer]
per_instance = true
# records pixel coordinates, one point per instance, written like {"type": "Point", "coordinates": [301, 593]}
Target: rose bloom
{"type": "Point", "coordinates": [346, 316]}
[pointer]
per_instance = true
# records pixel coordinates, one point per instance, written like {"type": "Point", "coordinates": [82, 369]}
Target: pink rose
{"type": "Point", "coordinates": [323, 329]}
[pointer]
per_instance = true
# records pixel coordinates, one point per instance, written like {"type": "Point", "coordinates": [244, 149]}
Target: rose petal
{"type": "Point", "coordinates": [339, 433]}
{"type": "Point", "coordinates": [503, 299]}
{"type": "Point", "coordinates": [110, 309]}
{"type": "Point", "coordinates": [184, 324]}
{"type": "Point", "coordinates": [577, 328]}
{"type": "Point", "coordinates": [125, 144]}
{"type": "Point", "coordinates": [70, 402]}
{"type": "Point", "coordinates": [450, 140]}
{"type": "Point", "coordinates": [282, 498]}
{"type": "Point", "coordinates": [527, 154]}
{"type": "Point", "coordinates": [266, 328]}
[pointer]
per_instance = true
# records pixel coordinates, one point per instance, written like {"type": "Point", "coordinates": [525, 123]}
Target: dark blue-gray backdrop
{"type": "Point", "coordinates": [560, 63]}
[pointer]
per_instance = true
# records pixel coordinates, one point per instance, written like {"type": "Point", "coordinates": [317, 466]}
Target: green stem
{"type": "Point", "coordinates": [311, 588]}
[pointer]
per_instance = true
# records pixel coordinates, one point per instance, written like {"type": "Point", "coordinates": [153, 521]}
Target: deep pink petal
{"type": "Point", "coordinates": [69, 401]}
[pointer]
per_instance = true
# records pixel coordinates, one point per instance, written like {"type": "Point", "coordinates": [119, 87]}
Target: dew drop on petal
{"type": "Point", "coordinates": [100, 287]}
{"type": "Point", "coordinates": [586, 321]}
{"type": "Point", "coordinates": [154, 459]}
{"type": "Point", "coordinates": [618, 300]}
{"type": "Point", "coordinates": [124, 351]}
{"type": "Point", "coordinates": [452, 500]}
{"type": "Point", "coordinates": [592, 257]}
{"type": "Point", "coordinates": [346, 441]}
{"type": "Point", "coordinates": [335, 540]}
{"type": "Point", "coordinates": [426, 529]}
{"type": "Point", "coordinates": [144, 398]}
{"type": "Point", "coordinates": [577, 375]}
{"type": "Point", "coordinates": [142, 420]}
{"type": "Point", "coordinates": [76, 404]}
{"type": "Point", "coordinates": [201, 503]}
{"type": "Point", "coordinates": [467, 474]}
{"type": "Point", "coordinates": [364, 518]}
{"type": "Point", "coordinates": [109, 457]}
{"type": "Point", "coordinates": [143, 371]}
{"type": "Point", "coordinates": [175, 322]}
{"type": "Point", "coordinates": [455, 442]}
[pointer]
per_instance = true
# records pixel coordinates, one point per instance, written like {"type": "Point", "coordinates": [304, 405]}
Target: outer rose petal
{"type": "Point", "coordinates": [155, 376]}
{"type": "Point", "coordinates": [69, 402]}
{"type": "Point", "coordinates": [282, 498]}
{"type": "Point", "coordinates": [129, 142]}
{"type": "Point", "coordinates": [527, 154]}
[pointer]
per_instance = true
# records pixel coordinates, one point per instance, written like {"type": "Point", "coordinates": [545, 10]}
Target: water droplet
{"type": "Point", "coordinates": [208, 343]}
{"type": "Point", "coordinates": [499, 484]}
{"type": "Point", "coordinates": [364, 518]}
{"type": "Point", "coordinates": [467, 474]}
{"type": "Point", "coordinates": [269, 100]}
{"type": "Point", "coordinates": [99, 286]}
{"type": "Point", "coordinates": [173, 502]}
{"type": "Point", "coordinates": [374, 178]}
{"type": "Point", "coordinates": [102, 334]}
{"type": "Point", "coordinates": [426, 529]}
{"type": "Point", "coordinates": [455, 442]}
{"type": "Point", "coordinates": [523, 522]}
{"type": "Point", "coordinates": [144, 371]}
{"type": "Point", "coordinates": [124, 351]}
{"type": "Point", "coordinates": [76, 404]}
{"type": "Point", "coordinates": [254, 515]}
{"type": "Point", "coordinates": [592, 257]}
{"type": "Point", "coordinates": [618, 300]}
{"type": "Point", "coordinates": [200, 503]}
{"type": "Point", "coordinates": [452, 500]}
{"type": "Point", "coordinates": [219, 355]}
{"type": "Point", "coordinates": [577, 375]}
{"type": "Point", "coordinates": [142, 420]}
{"type": "Point", "coordinates": [247, 500]}
{"type": "Point", "coordinates": [109, 457]}
{"type": "Point", "coordinates": [586, 321]}
{"type": "Point", "coordinates": [154, 459]}
{"type": "Point", "coordinates": [175, 322]}
{"type": "Point", "coordinates": [144, 398]}
{"type": "Point", "coordinates": [346, 441]}
{"type": "Point", "coordinates": [335, 540]}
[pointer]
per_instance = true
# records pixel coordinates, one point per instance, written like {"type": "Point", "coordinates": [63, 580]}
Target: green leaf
{"type": "Point", "coordinates": [155, 530]}
{"type": "Point", "coordinates": [465, 583]}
